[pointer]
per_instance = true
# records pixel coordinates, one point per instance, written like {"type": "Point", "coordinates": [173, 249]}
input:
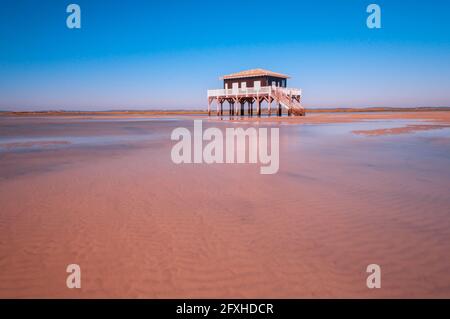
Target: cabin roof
{"type": "Point", "coordinates": [253, 73]}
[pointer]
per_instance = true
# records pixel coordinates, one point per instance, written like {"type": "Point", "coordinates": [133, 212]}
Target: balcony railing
{"type": "Point", "coordinates": [264, 90]}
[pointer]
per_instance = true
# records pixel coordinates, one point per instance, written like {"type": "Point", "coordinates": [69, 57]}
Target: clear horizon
{"type": "Point", "coordinates": [149, 55]}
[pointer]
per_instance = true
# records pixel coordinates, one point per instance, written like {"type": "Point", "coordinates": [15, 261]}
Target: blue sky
{"type": "Point", "coordinates": [165, 54]}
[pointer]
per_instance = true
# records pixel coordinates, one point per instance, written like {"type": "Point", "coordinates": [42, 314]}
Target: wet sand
{"type": "Point", "coordinates": [103, 193]}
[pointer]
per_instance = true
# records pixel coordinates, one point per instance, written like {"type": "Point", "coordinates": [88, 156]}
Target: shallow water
{"type": "Point", "coordinates": [106, 195]}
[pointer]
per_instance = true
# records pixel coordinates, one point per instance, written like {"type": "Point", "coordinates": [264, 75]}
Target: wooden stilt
{"type": "Point", "coordinates": [258, 106]}
{"type": "Point", "coordinates": [209, 107]}
{"type": "Point", "coordinates": [270, 106]}
{"type": "Point", "coordinates": [221, 108]}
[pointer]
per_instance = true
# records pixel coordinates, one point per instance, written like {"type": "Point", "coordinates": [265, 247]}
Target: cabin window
{"type": "Point", "coordinates": [257, 84]}
{"type": "Point", "coordinates": [243, 85]}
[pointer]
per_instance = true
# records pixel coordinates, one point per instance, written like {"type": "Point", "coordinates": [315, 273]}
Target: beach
{"type": "Point", "coordinates": [102, 192]}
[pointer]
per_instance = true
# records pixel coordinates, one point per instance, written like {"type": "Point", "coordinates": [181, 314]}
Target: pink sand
{"type": "Point", "coordinates": [141, 226]}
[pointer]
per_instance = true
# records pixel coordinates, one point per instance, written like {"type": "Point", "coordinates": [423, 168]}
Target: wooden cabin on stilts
{"type": "Point", "coordinates": [254, 87]}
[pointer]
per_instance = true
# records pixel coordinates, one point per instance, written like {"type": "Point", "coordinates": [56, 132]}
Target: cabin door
{"type": "Point", "coordinates": [235, 88]}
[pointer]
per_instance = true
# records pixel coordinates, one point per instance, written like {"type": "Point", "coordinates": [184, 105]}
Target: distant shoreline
{"type": "Point", "coordinates": [201, 112]}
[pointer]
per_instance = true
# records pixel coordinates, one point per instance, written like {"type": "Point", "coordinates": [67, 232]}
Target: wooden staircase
{"type": "Point", "coordinates": [283, 97]}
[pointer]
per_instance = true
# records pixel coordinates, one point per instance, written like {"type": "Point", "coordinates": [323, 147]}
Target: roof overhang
{"type": "Point", "coordinates": [254, 73]}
